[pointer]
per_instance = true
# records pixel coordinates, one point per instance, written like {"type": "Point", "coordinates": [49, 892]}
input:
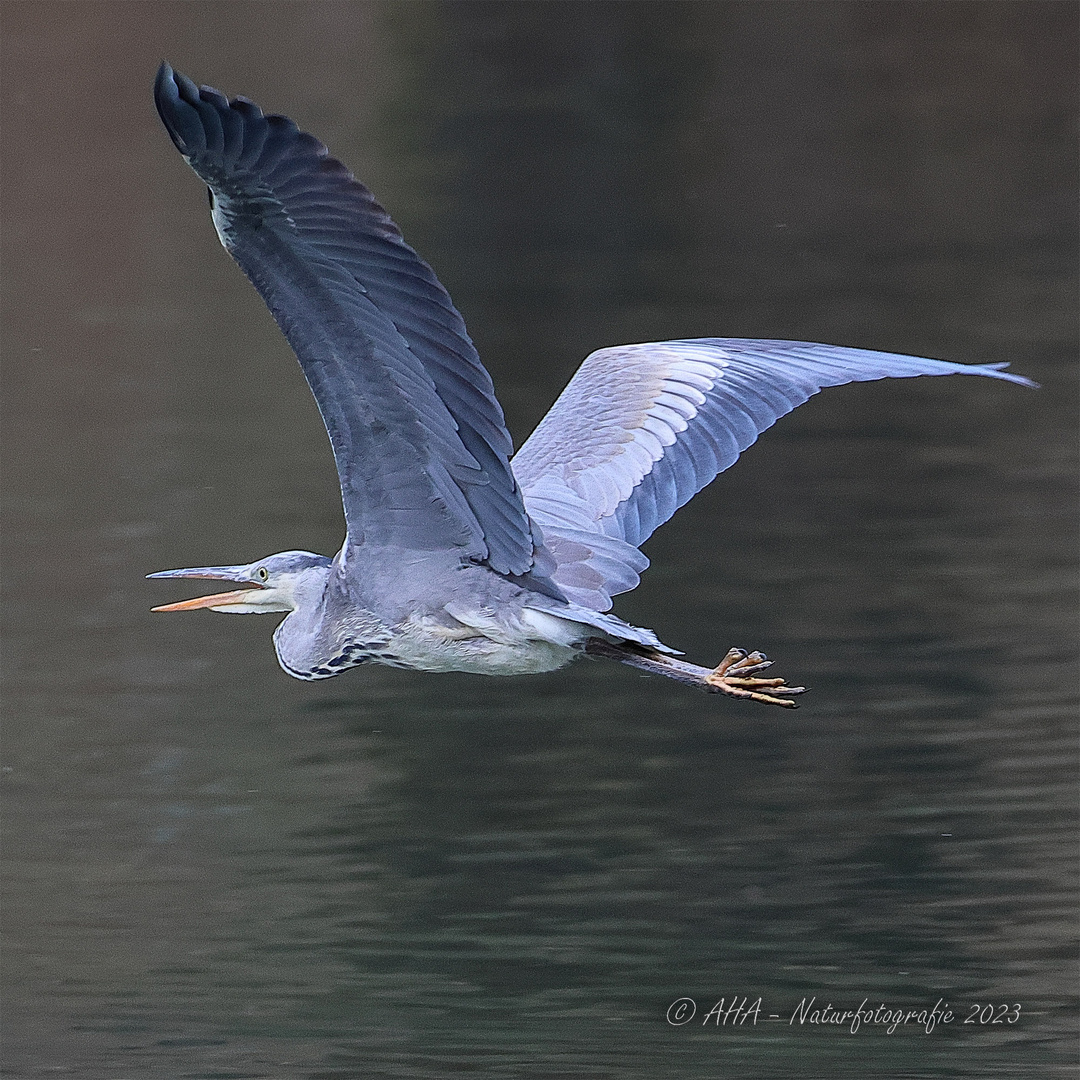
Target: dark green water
{"type": "Point", "coordinates": [213, 871]}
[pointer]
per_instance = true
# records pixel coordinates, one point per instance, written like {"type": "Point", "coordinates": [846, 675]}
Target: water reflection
{"type": "Point", "coordinates": [215, 871]}
{"type": "Point", "coordinates": [517, 877]}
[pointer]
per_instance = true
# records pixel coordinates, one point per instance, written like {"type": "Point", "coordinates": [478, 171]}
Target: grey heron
{"type": "Point", "coordinates": [460, 555]}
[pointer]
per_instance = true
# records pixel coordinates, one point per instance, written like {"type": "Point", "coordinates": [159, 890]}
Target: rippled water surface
{"type": "Point", "coordinates": [214, 871]}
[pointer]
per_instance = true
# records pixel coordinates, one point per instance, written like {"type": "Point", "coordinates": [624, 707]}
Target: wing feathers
{"type": "Point", "coordinates": [382, 346]}
{"type": "Point", "coordinates": [641, 428]}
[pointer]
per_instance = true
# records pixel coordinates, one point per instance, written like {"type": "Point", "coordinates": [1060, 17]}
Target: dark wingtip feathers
{"type": "Point", "coordinates": [205, 126]}
{"type": "Point", "coordinates": [166, 100]}
{"type": "Point", "coordinates": [182, 111]}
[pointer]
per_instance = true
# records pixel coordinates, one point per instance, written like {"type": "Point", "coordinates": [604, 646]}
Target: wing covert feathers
{"type": "Point", "coordinates": [640, 429]}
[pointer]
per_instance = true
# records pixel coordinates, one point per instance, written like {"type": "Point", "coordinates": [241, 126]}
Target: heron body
{"type": "Point", "coordinates": [460, 555]}
{"type": "Point", "coordinates": [420, 611]}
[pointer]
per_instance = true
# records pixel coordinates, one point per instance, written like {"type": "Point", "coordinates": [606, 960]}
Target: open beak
{"type": "Point", "coordinates": [215, 600]}
{"type": "Point", "coordinates": [221, 599]}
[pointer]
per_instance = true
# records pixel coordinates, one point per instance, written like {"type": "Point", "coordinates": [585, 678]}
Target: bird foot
{"type": "Point", "coordinates": [732, 677]}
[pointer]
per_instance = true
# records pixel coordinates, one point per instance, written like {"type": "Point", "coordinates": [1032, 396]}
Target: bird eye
{"type": "Point", "coordinates": [262, 574]}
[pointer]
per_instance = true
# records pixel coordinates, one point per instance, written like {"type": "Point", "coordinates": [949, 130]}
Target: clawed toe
{"type": "Point", "coordinates": [730, 677]}
{"type": "Point", "coordinates": [753, 683]}
{"type": "Point", "coordinates": [740, 662]}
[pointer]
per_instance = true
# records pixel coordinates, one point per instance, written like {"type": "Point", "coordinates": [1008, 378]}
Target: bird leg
{"type": "Point", "coordinates": [732, 676]}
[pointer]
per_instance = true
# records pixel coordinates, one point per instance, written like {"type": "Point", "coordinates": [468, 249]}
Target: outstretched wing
{"type": "Point", "coordinates": [640, 429]}
{"type": "Point", "coordinates": [418, 436]}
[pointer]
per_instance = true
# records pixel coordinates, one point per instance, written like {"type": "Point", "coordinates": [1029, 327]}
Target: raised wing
{"type": "Point", "coordinates": [640, 429]}
{"type": "Point", "coordinates": [418, 436]}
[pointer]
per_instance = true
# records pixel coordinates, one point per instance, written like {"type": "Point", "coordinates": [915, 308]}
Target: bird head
{"type": "Point", "coordinates": [283, 582]}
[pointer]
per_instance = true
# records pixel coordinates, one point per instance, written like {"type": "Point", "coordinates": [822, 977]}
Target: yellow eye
{"type": "Point", "coordinates": [261, 573]}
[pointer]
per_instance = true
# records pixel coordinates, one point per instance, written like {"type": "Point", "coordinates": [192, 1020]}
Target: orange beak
{"type": "Point", "coordinates": [215, 600]}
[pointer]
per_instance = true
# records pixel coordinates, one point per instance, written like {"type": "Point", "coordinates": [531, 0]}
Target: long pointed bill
{"type": "Point", "coordinates": [216, 601]}
{"type": "Point", "coordinates": [241, 596]}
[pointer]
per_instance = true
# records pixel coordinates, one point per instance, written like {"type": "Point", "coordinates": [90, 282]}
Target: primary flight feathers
{"type": "Point", "coordinates": [418, 435]}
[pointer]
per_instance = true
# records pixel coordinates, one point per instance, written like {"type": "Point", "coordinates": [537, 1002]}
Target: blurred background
{"type": "Point", "coordinates": [215, 871]}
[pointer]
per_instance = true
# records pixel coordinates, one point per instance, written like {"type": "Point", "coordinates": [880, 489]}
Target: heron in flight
{"type": "Point", "coordinates": [460, 555]}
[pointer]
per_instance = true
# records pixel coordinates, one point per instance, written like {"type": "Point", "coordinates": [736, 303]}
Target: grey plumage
{"type": "Point", "coordinates": [457, 557]}
{"type": "Point", "coordinates": [418, 435]}
{"type": "Point", "coordinates": [641, 429]}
